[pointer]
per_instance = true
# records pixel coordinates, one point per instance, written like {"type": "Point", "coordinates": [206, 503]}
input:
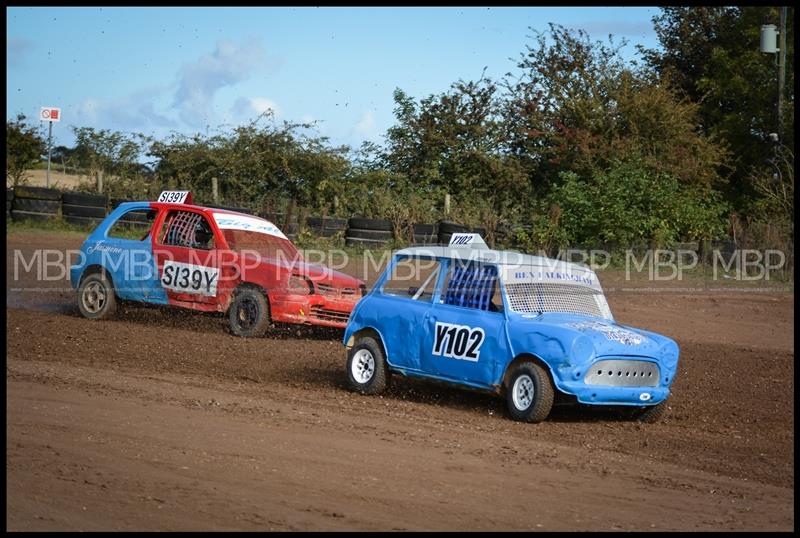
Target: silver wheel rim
{"type": "Point", "coordinates": [363, 366]}
{"type": "Point", "coordinates": [94, 297]}
{"type": "Point", "coordinates": [522, 392]}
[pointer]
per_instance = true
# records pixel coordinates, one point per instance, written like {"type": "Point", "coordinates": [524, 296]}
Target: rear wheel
{"type": "Point", "coordinates": [529, 393]}
{"type": "Point", "coordinates": [367, 372]}
{"type": "Point", "coordinates": [248, 314]}
{"type": "Point", "coordinates": [96, 298]}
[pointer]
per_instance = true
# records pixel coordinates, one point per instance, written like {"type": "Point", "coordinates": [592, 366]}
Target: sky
{"type": "Point", "coordinates": [188, 70]}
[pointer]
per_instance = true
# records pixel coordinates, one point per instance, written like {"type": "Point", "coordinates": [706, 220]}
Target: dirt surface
{"type": "Point", "coordinates": [160, 420]}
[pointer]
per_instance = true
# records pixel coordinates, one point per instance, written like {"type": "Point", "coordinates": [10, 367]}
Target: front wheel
{"type": "Point", "coordinates": [529, 393]}
{"type": "Point", "coordinates": [367, 372]}
{"type": "Point", "coordinates": [96, 298]}
{"type": "Point", "coordinates": [248, 314]}
{"type": "Point", "coordinates": [651, 414]}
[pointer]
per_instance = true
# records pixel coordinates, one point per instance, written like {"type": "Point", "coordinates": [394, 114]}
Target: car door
{"type": "Point", "coordinates": [125, 251]}
{"type": "Point", "coordinates": [187, 258]}
{"type": "Point", "coordinates": [403, 300]}
{"type": "Point", "coordinates": [465, 328]}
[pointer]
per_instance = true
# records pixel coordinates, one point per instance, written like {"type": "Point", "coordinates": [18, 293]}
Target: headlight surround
{"type": "Point", "coordinates": [300, 285]}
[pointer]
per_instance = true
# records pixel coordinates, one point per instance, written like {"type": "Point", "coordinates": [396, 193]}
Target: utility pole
{"type": "Point", "coordinates": [781, 71]}
{"type": "Point", "coordinates": [49, 114]}
{"type": "Point", "coordinates": [49, 151]}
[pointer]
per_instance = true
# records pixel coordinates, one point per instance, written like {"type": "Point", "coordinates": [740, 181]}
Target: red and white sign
{"type": "Point", "coordinates": [48, 113]}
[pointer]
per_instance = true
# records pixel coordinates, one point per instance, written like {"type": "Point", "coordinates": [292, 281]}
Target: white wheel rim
{"type": "Point", "coordinates": [363, 366]}
{"type": "Point", "coordinates": [94, 297]}
{"type": "Point", "coordinates": [522, 392]}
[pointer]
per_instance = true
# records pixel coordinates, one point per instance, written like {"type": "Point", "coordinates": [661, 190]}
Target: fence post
{"type": "Point", "coordinates": [447, 204]}
{"type": "Point", "coordinates": [99, 182]}
{"type": "Point", "coordinates": [335, 203]}
{"type": "Point", "coordinates": [215, 189]}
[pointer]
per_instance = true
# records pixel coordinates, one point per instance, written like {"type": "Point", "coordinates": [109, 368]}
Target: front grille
{"type": "Point", "coordinates": [324, 314]}
{"type": "Point", "coordinates": [535, 297]}
{"type": "Point", "coordinates": [326, 289]}
{"type": "Point", "coordinates": [333, 291]}
{"type": "Point", "coordinates": [623, 373]}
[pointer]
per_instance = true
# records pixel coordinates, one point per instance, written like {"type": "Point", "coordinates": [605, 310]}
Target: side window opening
{"type": "Point", "coordinates": [473, 285]}
{"type": "Point", "coordinates": [187, 229]}
{"type": "Point", "coordinates": [413, 278]}
{"type": "Point", "coordinates": [134, 224]}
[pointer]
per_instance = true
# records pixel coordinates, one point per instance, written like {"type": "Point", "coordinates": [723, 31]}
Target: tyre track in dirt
{"type": "Point", "coordinates": [722, 459]}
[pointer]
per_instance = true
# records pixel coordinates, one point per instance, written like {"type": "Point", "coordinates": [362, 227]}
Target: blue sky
{"type": "Point", "coordinates": [157, 70]}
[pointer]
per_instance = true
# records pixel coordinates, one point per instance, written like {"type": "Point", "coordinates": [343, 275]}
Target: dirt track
{"type": "Point", "coordinates": [161, 420]}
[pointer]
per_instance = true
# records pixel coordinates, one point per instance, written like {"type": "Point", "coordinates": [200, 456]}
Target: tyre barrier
{"type": "Point", "coordinates": [84, 199]}
{"type": "Point", "coordinates": [83, 209]}
{"type": "Point", "coordinates": [368, 233]}
{"type": "Point", "coordinates": [326, 226]}
{"type": "Point", "coordinates": [360, 223]}
{"type": "Point", "coordinates": [373, 235]}
{"type": "Point", "coordinates": [37, 193]}
{"type": "Point", "coordinates": [35, 203]}
{"type": "Point", "coordinates": [448, 228]}
{"type": "Point", "coordinates": [426, 234]}
{"type": "Point", "coordinates": [9, 199]}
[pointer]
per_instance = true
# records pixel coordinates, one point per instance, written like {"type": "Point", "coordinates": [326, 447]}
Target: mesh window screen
{"type": "Point", "coordinates": [535, 297]}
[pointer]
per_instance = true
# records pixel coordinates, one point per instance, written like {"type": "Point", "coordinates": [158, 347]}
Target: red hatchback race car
{"type": "Point", "coordinates": [211, 260]}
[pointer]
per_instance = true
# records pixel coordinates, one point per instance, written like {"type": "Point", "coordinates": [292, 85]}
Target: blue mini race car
{"type": "Point", "coordinates": [521, 326]}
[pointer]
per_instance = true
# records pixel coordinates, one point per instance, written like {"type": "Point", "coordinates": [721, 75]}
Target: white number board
{"type": "Point", "coordinates": [175, 197]}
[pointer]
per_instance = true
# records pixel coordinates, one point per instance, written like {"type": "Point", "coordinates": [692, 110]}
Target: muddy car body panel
{"type": "Point", "coordinates": [489, 308]}
{"type": "Point", "coordinates": [196, 257]}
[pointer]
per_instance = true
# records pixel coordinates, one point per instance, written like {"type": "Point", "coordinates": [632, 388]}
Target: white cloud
{"type": "Point", "coordinates": [366, 125]}
{"type": "Point", "coordinates": [129, 113]}
{"type": "Point", "coordinates": [248, 106]}
{"type": "Point", "coordinates": [17, 50]}
{"type": "Point", "coordinates": [199, 81]}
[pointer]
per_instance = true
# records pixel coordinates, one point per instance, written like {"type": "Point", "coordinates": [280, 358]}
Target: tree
{"type": "Point", "coordinates": [712, 54]}
{"type": "Point", "coordinates": [24, 147]}
{"type": "Point", "coordinates": [578, 106]}
{"type": "Point", "coordinates": [112, 152]}
{"type": "Point", "coordinates": [455, 143]}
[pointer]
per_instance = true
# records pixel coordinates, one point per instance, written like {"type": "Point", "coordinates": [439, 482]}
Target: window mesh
{"type": "Point", "coordinates": [535, 297]}
{"type": "Point", "coordinates": [181, 229]}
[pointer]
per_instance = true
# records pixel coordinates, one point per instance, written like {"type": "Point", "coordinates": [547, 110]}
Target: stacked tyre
{"type": "Point", "coordinates": [326, 226]}
{"type": "Point", "coordinates": [448, 228]}
{"type": "Point", "coordinates": [35, 203]}
{"type": "Point", "coordinates": [368, 233]}
{"type": "Point", "coordinates": [83, 209]}
{"type": "Point", "coordinates": [426, 234]}
{"type": "Point", "coordinates": [133, 219]}
{"type": "Point", "coordinates": [9, 199]}
{"type": "Point", "coordinates": [279, 220]}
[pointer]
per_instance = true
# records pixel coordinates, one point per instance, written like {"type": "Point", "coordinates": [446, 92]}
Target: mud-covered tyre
{"type": "Point", "coordinates": [367, 371]}
{"type": "Point", "coordinates": [96, 297]}
{"type": "Point", "coordinates": [248, 314]}
{"type": "Point", "coordinates": [651, 413]}
{"type": "Point", "coordinates": [529, 393]}
{"type": "Point", "coordinates": [360, 223]}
